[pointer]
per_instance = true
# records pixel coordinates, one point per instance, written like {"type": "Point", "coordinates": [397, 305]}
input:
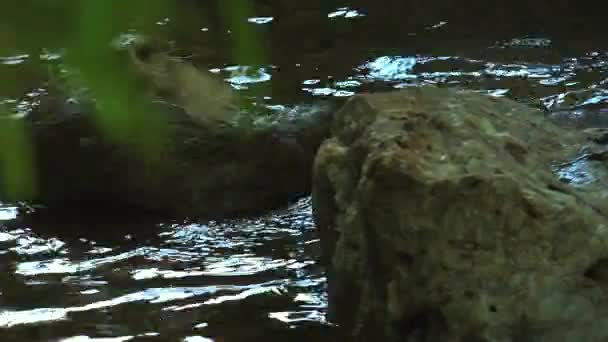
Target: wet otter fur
{"type": "Point", "coordinates": [201, 171]}
{"type": "Point", "coordinates": [204, 97]}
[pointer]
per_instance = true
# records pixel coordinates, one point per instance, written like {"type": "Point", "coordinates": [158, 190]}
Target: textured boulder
{"type": "Point", "coordinates": [441, 220]}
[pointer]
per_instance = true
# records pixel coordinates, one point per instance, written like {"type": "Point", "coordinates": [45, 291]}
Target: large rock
{"type": "Point", "coordinates": [441, 220]}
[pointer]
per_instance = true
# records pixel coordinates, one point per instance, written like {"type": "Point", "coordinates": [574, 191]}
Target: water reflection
{"type": "Point", "coordinates": [577, 172]}
{"type": "Point", "coordinates": [197, 339]}
{"type": "Point", "coordinates": [196, 282]}
{"type": "Point", "coordinates": [573, 84]}
{"type": "Point", "coordinates": [240, 76]}
{"type": "Point", "coordinates": [527, 42]}
{"type": "Point", "coordinates": [7, 212]}
{"type": "Point", "coordinates": [260, 20]}
{"type": "Point", "coordinates": [12, 60]}
{"type": "Point", "coordinates": [389, 68]}
{"type": "Point", "coordinates": [345, 12]}
{"type": "Point", "coordinates": [191, 269]}
{"type": "Point", "coordinates": [111, 339]}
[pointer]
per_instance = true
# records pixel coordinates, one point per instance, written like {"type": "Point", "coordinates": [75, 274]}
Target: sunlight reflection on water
{"type": "Point", "coordinates": [179, 276]}
{"type": "Point", "coordinates": [230, 261]}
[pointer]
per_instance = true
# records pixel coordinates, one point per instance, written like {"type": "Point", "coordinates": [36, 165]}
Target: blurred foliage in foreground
{"type": "Point", "coordinates": [85, 29]}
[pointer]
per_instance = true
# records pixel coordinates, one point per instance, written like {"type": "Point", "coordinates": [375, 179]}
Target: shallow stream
{"type": "Point", "coordinates": [258, 279]}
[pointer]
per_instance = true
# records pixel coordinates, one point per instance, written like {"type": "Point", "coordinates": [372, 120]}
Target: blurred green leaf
{"type": "Point", "coordinates": [246, 43]}
{"type": "Point", "coordinates": [86, 29]}
{"type": "Point", "coordinates": [124, 114]}
{"type": "Point", "coordinates": [17, 169]}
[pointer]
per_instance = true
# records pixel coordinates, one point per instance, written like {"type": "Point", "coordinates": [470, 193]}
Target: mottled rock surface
{"type": "Point", "coordinates": [441, 220]}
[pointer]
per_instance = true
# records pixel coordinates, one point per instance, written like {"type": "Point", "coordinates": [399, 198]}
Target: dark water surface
{"type": "Point", "coordinates": [244, 280]}
{"type": "Point", "coordinates": [259, 279]}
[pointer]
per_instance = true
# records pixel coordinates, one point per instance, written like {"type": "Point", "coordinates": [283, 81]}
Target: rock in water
{"type": "Point", "coordinates": [441, 220]}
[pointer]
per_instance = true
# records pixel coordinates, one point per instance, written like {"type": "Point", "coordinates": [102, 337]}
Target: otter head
{"type": "Point", "coordinates": [202, 95]}
{"type": "Point", "coordinates": [148, 53]}
{"type": "Point", "coordinates": [143, 52]}
{"type": "Point", "coordinates": [152, 61]}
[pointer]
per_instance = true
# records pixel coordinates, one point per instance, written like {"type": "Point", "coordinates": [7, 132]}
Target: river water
{"type": "Point", "coordinates": [258, 279]}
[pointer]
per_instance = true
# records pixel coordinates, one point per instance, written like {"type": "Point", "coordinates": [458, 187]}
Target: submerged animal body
{"type": "Point", "coordinates": [203, 96]}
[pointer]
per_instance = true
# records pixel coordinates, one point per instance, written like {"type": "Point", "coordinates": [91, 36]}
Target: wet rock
{"type": "Point", "coordinates": [198, 171]}
{"type": "Point", "coordinates": [441, 220]}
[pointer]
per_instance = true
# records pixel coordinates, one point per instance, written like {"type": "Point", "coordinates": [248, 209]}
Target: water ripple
{"type": "Point", "coordinates": [191, 268]}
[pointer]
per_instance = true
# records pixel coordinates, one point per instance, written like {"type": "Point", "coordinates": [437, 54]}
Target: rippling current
{"type": "Point", "coordinates": [259, 275]}
{"type": "Point", "coordinates": [259, 279]}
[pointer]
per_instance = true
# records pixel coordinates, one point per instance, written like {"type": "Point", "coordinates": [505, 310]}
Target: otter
{"type": "Point", "coordinates": [204, 97]}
